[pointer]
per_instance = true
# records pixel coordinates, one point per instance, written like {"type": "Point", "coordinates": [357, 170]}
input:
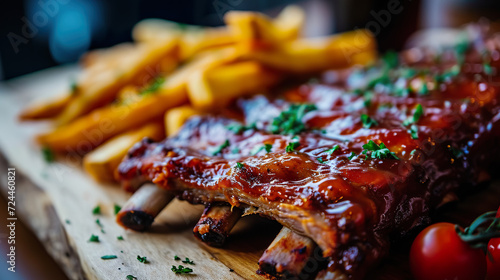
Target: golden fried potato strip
{"type": "Point", "coordinates": [102, 162]}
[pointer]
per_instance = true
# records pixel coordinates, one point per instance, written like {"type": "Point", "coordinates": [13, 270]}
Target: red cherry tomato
{"type": "Point", "coordinates": [438, 253]}
{"type": "Point", "coordinates": [494, 263]}
{"type": "Point", "coordinates": [494, 266]}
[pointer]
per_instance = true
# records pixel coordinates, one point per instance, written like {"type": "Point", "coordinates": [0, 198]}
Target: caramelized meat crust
{"type": "Point", "coordinates": [347, 162]}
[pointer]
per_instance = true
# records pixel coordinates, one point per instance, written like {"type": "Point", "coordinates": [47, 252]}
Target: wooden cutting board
{"type": "Point", "coordinates": [56, 201]}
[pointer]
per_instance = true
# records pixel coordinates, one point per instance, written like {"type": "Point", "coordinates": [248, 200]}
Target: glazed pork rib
{"type": "Point", "coordinates": [142, 208]}
{"type": "Point", "coordinates": [216, 223]}
{"type": "Point", "coordinates": [291, 256]}
{"type": "Point", "coordinates": [348, 163]}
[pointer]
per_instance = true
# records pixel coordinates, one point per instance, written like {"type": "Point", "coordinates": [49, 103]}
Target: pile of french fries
{"type": "Point", "coordinates": [171, 72]}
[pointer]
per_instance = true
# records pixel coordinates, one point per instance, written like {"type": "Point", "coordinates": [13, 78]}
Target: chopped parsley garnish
{"type": "Point", "coordinates": [391, 59]}
{"type": "Point", "coordinates": [408, 73]}
{"type": "Point", "coordinates": [383, 79]}
{"type": "Point", "coordinates": [153, 87]}
{"type": "Point", "coordinates": [119, 237]}
{"type": "Point", "coordinates": [221, 147]}
{"type": "Point", "coordinates": [413, 131]}
{"type": "Point", "coordinates": [96, 210]}
{"type": "Point", "coordinates": [94, 238]}
{"type": "Point", "coordinates": [238, 128]}
{"type": "Point", "coordinates": [240, 165]}
{"type": "Point", "coordinates": [117, 208]}
{"type": "Point", "coordinates": [376, 151]}
{"type": "Point", "coordinates": [424, 89]}
{"type": "Point", "coordinates": [48, 155]}
{"type": "Point", "coordinates": [188, 261]}
{"type": "Point", "coordinates": [449, 74]}
{"type": "Point", "coordinates": [181, 269]}
{"type": "Point", "coordinates": [68, 222]}
{"type": "Point", "coordinates": [461, 48]}
{"type": "Point", "coordinates": [419, 112]}
{"type": "Point", "coordinates": [367, 121]}
{"type": "Point", "coordinates": [109, 257]}
{"type": "Point", "coordinates": [320, 160]}
{"type": "Point", "coordinates": [268, 147]}
{"type": "Point", "coordinates": [257, 149]}
{"type": "Point", "coordinates": [131, 277]}
{"type": "Point", "coordinates": [290, 120]}
{"type": "Point", "coordinates": [98, 223]}
{"type": "Point", "coordinates": [177, 258]}
{"type": "Point", "coordinates": [487, 69]}
{"type": "Point", "coordinates": [291, 146]}
{"type": "Point", "coordinates": [73, 87]}
{"type": "Point", "coordinates": [353, 154]}
{"type": "Point", "coordinates": [411, 121]}
{"type": "Point", "coordinates": [401, 92]}
{"type": "Point", "coordinates": [333, 149]}
{"type": "Point", "coordinates": [142, 259]}
{"type": "Point", "coordinates": [367, 102]}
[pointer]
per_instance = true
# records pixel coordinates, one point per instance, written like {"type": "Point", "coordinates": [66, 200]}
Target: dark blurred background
{"type": "Point", "coordinates": [36, 34]}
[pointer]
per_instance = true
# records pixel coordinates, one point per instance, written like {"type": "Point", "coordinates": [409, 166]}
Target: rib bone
{"type": "Point", "coordinates": [291, 256]}
{"type": "Point", "coordinates": [216, 222]}
{"type": "Point", "coordinates": [143, 206]}
{"type": "Point", "coordinates": [331, 273]}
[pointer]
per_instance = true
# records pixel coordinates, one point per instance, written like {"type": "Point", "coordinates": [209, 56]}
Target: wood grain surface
{"type": "Point", "coordinates": [56, 201]}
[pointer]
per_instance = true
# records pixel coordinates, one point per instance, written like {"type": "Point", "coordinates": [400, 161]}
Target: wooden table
{"type": "Point", "coordinates": [56, 201]}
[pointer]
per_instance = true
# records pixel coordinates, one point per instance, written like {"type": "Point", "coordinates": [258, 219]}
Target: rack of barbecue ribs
{"type": "Point", "coordinates": [344, 163]}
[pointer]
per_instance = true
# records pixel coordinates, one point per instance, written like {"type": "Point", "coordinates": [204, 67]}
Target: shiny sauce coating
{"type": "Point", "coordinates": [377, 152]}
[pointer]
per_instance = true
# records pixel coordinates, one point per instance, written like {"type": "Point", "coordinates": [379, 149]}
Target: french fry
{"type": "Point", "coordinates": [290, 22]}
{"type": "Point", "coordinates": [220, 85]}
{"type": "Point", "coordinates": [154, 30]}
{"type": "Point", "coordinates": [242, 26]}
{"type": "Point", "coordinates": [128, 94]}
{"type": "Point", "coordinates": [363, 58]}
{"type": "Point", "coordinates": [97, 78]}
{"type": "Point", "coordinates": [249, 27]}
{"type": "Point", "coordinates": [176, 117]}
{"type": "Point", "coordinates": [192, 43]}
{"type": "Point", "coordinates": [305, 56]}
{"type": "Point", "coordinates": [99, 88]}
{"type": "Point", "coordinates": [104, 57]}
{"type": "Point", "coordinates": [249, 55]}
{"type": "Point", "coordinates": [91, 130]}
{"type": "Point", "coordinates": [192, 39]}
{"type": "Point", "coordinates": [102, 162]}
{"type": "Point", "coordinates": [109, 70]}
{"type": "Point", "coordinates": [202, 62]}
{"type": "Point", "coordinates": [45, 109]}
{"type": "Point", "coordinates": [94, 63]}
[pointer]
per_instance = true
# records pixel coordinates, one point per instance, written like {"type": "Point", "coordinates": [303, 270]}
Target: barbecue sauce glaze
{"type": "Point", "coordinates": [348, 202]}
